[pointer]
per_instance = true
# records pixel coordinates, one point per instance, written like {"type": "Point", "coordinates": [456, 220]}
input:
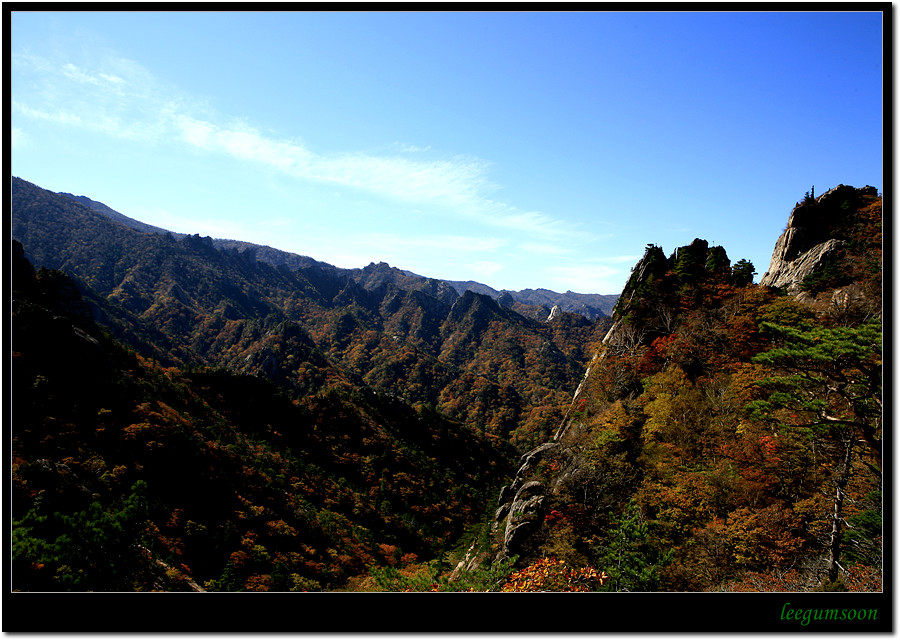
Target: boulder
{"type": "Point", "coordinates": [521, 501]}
{"type": "Point", "coordinates": [523, 516]}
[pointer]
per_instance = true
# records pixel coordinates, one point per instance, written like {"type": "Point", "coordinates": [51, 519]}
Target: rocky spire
{"type": "Point", "coordinates": [555, 312]}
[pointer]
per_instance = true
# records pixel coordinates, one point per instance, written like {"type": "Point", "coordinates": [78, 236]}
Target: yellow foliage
{"type": "Point", "coordinates": [673, 407]}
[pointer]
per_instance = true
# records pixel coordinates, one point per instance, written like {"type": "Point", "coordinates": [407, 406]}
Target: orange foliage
{"type": "Point", "coordinates": [551, 574]}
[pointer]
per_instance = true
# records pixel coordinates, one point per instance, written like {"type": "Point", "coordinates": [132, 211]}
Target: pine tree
{"type": "Point", "coordinates": [627, 556]}
{"type": "Point", "coordinates": [742, 273]}
{"type": "Point", "coordinates": [831, 390]}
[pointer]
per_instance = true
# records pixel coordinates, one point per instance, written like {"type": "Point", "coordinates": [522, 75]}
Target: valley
{"type": "Point", "coordinates": [256, 420]}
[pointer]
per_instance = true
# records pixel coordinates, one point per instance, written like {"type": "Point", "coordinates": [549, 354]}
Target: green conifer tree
{"type": "Point", "coordinates": [627, 556]}
{"type": "Point", "coordinates": [829, 387]}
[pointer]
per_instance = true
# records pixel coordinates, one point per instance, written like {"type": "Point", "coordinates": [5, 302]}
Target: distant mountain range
{"type": "Point", "coordinates": [191, 300]}
{"type": "Point", "coordinates": [589, 305]}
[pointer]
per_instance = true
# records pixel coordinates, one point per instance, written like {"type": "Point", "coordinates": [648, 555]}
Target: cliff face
{"type": "Point", "coordinates": [819, 232]}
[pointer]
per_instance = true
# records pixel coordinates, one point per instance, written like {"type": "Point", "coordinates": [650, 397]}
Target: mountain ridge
{"type": "Point", "coordinates": [590, 305]}
{"type": "Point", "coordinates": [182, 299]}
{"type": "Point", "coordinates": [130, 476]}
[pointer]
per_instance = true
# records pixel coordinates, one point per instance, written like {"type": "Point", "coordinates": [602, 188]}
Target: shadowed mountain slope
{"type": "Point", "coordinates": [186, 301]}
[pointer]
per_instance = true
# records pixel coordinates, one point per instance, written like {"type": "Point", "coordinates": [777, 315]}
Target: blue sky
{"type": "Point", "coordinates": [517, 149]}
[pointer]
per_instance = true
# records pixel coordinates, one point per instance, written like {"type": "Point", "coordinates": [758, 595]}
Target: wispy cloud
{"type": "Point", "coordinates": [122, 99]}
{"type": "Point", "coordinates": [56, 116]}
{"type": "Point", "coordinates": [410, 148]}
{"type": "Point", "coordinates": [451, 244]}
{"type": "Point", "coordinates": [451, 182]}
{"type": "Point", "coordinates": [243, 143]}
{"type": "Point", "coordinates": [101, 80]}
{"type": "Point", "coordinates": [545, 248]}
{"type": "Point", "coordinates": [597, 278]}
{"type": "Point", "coordinates": [18, 139]}
{"type": "Point", "coordinates": [486, 268]}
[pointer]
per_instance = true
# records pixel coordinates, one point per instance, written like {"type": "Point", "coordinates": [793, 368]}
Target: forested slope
{"type": "Point", "coordinates": [128, 475]}
{"type": "Point", "coordinates": [199, 419]}
{"type": "Point", "coordinates": [351, 428]}
{"type": "Point", "coordinates": [183, 301]}
{"type": "Point", "coordinates": [727, 436]}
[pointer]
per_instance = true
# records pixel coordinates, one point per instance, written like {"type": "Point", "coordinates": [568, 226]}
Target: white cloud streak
{"type": "Point", "coordinates": [123, 100]}
{"type": "Point", "coordinates": [486, 268]}
{"type": "Point", "coordinates": [447, 243]}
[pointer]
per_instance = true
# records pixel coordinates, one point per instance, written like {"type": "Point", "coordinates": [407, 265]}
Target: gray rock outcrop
{"type": "Point", "coordinates": [521, 502]}
{"type": "Point", "coordinates": [789, 273]}
{"type": "Point", "coordinates": [555, 312]}
{"type": "Point", "coordinates": [812, 237]}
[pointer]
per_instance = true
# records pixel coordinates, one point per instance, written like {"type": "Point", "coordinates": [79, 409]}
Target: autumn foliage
{"type": "Point", "coordinates": [728, 437]}
{"type": "Point", "coordinates": [187, 418]}
{"type": "Point", "coordinates": [551, 574]}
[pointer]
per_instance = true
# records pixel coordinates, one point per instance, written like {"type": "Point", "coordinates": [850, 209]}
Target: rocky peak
{"type": "Point", "coordinates": [506, 300]}
{"type": "Point", "coordinates": [646, 309]}
{"type": "Point", "coordinates": [475, 306]}
{"type": "Point", "coordinates": [816, 233]}
{"type": "Point", "coordinates": [555, 312]}
{"type": "Point", "coordinates": [652, 264]}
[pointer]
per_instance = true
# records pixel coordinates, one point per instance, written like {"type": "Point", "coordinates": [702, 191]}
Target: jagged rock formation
{"type": "Point", "coordinates": [520, 502]}
{"type": "Point", "coordinates": [555, 312]}
{"type": "Point", "coordinates": [647, 307]}
{"type": "Point", "coordinates": [816, 236]}
{"type": "Point", "coordinates": [830, 254]}
{"type": "Point", "coordinates": [789, 274]}
{"type": "Point", "coordinates": [654, 278]}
